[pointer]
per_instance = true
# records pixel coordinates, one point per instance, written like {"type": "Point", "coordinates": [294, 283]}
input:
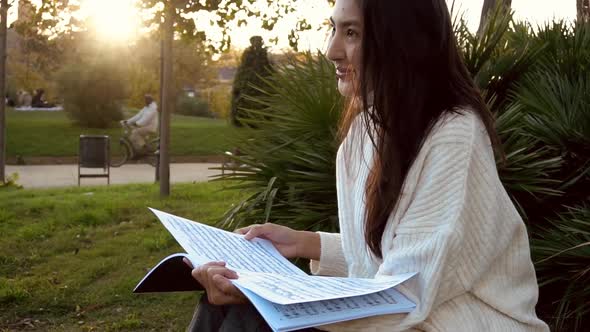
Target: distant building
{"type": "Point", "coordinates": [226, 74]}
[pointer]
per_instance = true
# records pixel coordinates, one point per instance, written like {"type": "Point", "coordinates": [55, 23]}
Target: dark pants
{"type": "Point", "coordinates": [228, 318]}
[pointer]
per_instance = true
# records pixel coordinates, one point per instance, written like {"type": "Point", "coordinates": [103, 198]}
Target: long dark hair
{"type": "Point", "coordinates": [412, 73]}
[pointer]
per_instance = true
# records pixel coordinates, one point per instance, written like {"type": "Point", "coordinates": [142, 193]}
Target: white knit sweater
{"type": "Point", "coordinates": [454, 224]}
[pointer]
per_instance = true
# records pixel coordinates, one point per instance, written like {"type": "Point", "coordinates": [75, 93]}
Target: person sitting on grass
{"type": "Point", "coordinates": [143, 124]}
{"type": "Point", "coordinates": [39, 100]}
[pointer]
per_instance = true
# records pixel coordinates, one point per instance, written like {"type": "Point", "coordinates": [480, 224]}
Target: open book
{"type": "Point", "coordinates": [286, 297]}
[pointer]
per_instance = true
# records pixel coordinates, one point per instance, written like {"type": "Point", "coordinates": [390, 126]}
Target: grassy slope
{"type": "Point", "coordinates": [70, 259]}
{"type": "Point", "coordinates": [32, 134]}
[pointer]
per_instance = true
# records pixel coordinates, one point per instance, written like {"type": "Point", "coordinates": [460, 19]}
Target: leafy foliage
{"type": "Point", "coordinates": [221, 13]}
{"type": "Point", "coordinates": [93, 94]}
{"type": "Point", "coordinates": [561, 252]}
{"type": "Point", "coordinates": [220, 101]}
{"type": "Point", "coordinates": [288, 161]}
{"type": "Point", "coordinates": [192, 106]}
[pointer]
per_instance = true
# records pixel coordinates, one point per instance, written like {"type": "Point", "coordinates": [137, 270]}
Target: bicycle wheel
{"type": "Point", "coordinates": [125, 157]}
{"type": "Point", "coordinates": [153, 159]}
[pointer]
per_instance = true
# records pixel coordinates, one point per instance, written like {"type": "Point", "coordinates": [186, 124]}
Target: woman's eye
{"type": "Point", "coordinates": [333, 32]}
{"type": "Point", "coordinates": [351, 33]}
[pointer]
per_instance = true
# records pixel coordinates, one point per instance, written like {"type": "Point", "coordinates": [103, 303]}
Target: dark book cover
{"type": "Point", "coordinates": [170, 275]}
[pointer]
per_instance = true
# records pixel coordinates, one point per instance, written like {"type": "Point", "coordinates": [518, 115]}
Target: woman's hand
{"type": "Point", "coordinates": [215, 278]}
{"type": "Point", "coordinates": [290, 243]}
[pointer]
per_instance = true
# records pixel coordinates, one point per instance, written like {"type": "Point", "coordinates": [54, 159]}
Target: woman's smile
{"type": "Point", "coordinates": [344, 73]}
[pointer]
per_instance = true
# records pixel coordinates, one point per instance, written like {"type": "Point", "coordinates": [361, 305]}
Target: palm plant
{"type": "Point", "coordinates": [287, 159]}
{"type": "Point", "coordinates": [561, 252]}
{"type": "Point", "coordinates": [568, 46]}
{"type": "Point", "coordinates": [528, 168]}
{"type": "Point", "coordinates": [558, 113]}
{"type": "Point", "coordinates": [498, 56]}
{"type": "Point", "coordinates": [555, 100]}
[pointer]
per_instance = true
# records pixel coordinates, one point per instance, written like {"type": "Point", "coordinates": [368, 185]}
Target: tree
{"type": "Point", "coordinates": [3, 27]}
{"type": "Point", "coordinates": [254, 67]}
{"type": "Point", "coordinates": [583, 7]}
{"type": "Point", "coordinates": [488, 8]}
{"type": "Point", "coordinates": [33, 55]}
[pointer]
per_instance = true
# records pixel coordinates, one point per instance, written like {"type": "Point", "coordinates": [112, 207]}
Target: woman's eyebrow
{"type": "Point", "coordinates": [346, 23]}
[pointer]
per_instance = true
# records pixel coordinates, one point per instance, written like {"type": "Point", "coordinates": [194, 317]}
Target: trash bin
{"type": "Point", "coordinates": [94, 152]}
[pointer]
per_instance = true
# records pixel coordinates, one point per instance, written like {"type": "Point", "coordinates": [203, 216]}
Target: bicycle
{"type": "Point", "coordinates": [150, 153]}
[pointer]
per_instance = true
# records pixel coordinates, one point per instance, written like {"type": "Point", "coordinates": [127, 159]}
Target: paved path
{"type": "Point", "coordinates": [47, 176]}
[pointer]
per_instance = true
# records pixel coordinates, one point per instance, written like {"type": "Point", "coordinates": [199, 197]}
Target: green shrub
{"type": "Point", "coordinates": [561, 250]}
{"type": "Point", "coordinates": [192, 107]}
{"type": "Point", "coordinates": [93, 94]}
{"type": "Point", "coordinates": [289, 159]}
{"type": "Point", "coordinates": [220, 101]}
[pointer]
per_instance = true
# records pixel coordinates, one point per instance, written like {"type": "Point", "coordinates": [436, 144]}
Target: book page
{"type": "Point", "coordinates": [207, 244]}
{"type": "Point", "coordinates": [299, 289]}
{"type": "Point", "coordinates": [304, 315]}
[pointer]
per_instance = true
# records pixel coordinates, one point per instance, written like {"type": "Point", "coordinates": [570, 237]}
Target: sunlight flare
{"type": "Point", "coordinates": [113, 20]}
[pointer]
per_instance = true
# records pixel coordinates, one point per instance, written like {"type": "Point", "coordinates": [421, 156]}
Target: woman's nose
{"type": "Point", "coordinates": [335, 49]}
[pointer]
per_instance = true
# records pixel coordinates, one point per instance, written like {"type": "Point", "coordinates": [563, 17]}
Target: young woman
{"type": "Point", "coordinates": [418, 188]}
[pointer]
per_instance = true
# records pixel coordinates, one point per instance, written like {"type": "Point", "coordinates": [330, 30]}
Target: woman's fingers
{"type": "Point", "coordinates": [243, 230]}
{"type": "Point", "coordinates": [257, 231]}
{"type": "Point", "coordinates": [221, 290]}
{"type": "Point", "coordinates": [225, 285]}
{"type": "Point", "coordinates": [200, 273]}
{"type": "Point", "coordinates": [252, 231]}
{"type": "Point", "coordinates": [228, 293]}
{"type": "Point", "coordinates": [213, 271]}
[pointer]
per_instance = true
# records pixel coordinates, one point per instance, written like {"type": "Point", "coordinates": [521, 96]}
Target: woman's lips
{"type": "Point", "coordinates": [343, 73]}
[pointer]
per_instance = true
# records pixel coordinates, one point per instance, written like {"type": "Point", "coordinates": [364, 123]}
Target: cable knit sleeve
{"type": "Point", "coordinates": [332, 261]}
{"type": "Point", "coordinates": [427, 236]}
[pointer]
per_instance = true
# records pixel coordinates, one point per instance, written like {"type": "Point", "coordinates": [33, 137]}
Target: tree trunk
{"type": "Point", "coordinates": [488, 9]}
{"type": "Point", "coordinates": [583, 7]}
{"type": "Point", "coordinates": [166, 100]}
{"type": "Point", "coordinates": [3, 26]}
{"type": "Point", "coordinates": [160, 98]}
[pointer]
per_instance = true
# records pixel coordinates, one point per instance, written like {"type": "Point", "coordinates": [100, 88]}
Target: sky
{"type": "Point", "coordinates": [118, 21]}
{"type": "Point", "coordinates": [536, 11]}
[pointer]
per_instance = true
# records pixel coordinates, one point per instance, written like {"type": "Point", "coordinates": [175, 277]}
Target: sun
{"type": "Point", "coordinates": [112, 20]}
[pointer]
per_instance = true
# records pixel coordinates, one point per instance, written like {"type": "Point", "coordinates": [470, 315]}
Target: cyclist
{"type": "Point", "coordinates": [144, 123]}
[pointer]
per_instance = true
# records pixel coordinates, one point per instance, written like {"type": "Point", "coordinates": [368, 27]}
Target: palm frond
{"type": "Point", "coordinates": [561, 252]}
{"type": "Point", "coordinates": [288, 156]}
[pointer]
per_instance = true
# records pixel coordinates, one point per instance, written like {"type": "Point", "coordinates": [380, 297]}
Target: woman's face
{"type": "Point", "coordinates": [344, 49]}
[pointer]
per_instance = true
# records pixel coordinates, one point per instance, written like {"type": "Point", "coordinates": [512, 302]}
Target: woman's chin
{"type": "Point", "coordinates": [345, 88]}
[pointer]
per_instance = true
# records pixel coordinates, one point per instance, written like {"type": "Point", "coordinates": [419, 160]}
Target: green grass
{"type": "Point", "coordinates": [52, 134]}
{"type": "Point", "coordinates": [70, 258]}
